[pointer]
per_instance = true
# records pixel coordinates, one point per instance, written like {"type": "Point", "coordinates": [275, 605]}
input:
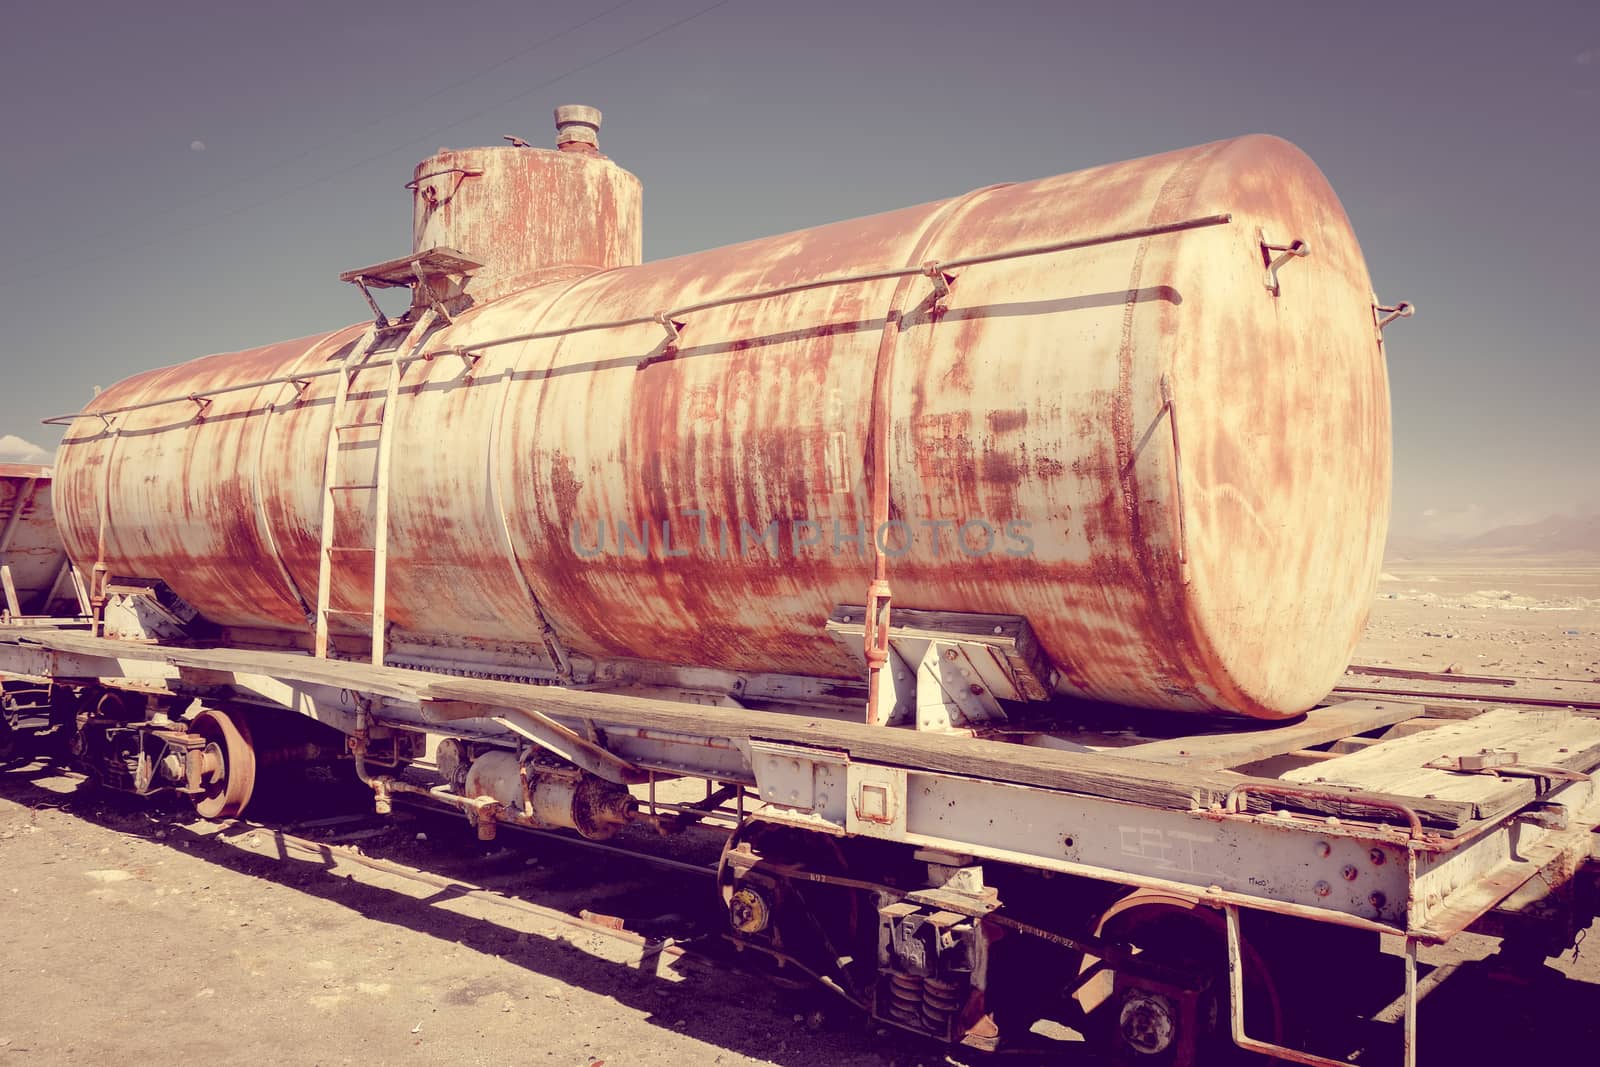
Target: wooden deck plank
{"type": "Point", "coordinates": [1551, 737]}
{"type": "Point", "coordinates": [397, 682]}
{"type": "Point", "coordinates": [1094, 774]}
{"type": "Point", "coordinates": [1316, 727]}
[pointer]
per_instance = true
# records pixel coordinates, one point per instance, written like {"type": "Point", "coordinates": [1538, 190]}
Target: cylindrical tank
{"type": "Point", "coordinates": [1167, 454]}
{"type": "Point", "coordinates": [37, 573]}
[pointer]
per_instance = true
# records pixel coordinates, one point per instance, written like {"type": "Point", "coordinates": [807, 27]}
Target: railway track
{"type": "Point", "coordinates": [571, 920]}
{"type": "Point", "coordinates": [638, 894]}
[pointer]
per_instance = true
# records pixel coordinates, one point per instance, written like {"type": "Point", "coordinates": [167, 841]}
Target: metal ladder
{"type": "Point", "coordinates": [354, 364]}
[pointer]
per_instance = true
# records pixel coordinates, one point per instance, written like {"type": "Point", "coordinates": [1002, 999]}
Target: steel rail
{"type": "Point", "coordinates": [1445, 696]}
{"type": "Point", "coordinates": [933, 268]}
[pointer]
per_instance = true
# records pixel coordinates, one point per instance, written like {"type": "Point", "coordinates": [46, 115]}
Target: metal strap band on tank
{"type": "Point", "coordinates": [263, 524]}
{"type": "Point", "coordinates": [1171, 410]}
{"type": "Point", "coordinates": [560, 658]}
{"type": "Point", "coordinates": [921, 270]}
{"type": "Point", "coordinates": [99, 573]}
{"type": "Point", "coordinates": [880, 596]}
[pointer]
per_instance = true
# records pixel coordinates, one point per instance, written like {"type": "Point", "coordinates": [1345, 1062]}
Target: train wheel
{"type": "Point", "coordinates": [768, 878]}
{"type": "Point", "coordinates": [1146, 1021]}
{"type": "Point", "coordinates": [229, 774]}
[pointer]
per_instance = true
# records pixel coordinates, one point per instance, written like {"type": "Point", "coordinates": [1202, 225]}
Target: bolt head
{"type": "Point", "coordinates": [1322, 889]}
{"type": "Point", "coordinates": [1350, 873]}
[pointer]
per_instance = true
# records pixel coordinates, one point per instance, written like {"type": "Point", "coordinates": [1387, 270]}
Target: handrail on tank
{"type": "Point", "coordinates": [930, 268]}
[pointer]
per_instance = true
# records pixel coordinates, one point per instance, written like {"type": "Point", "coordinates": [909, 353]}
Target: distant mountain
{"type": "Point", "coordinates": [1555, 535]}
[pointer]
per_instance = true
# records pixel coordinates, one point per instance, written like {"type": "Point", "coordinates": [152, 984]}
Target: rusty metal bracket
{"type": "Point", "coordinates": [1177, 467]}
{"type": "Point", "coordinates": [425, 291]}
{"type": "Point", "coordinates": [674, 327]}
{"type": "Point", "coordinates": [664, 319]}
{"type": "Point", "coordinates": [1483, 761]}
{"type": "Point", "coordinates": [422, 288]}
{"type": "Point", "coordinates": [366, 294]}
{"type": "Point", "coordinates": [431, 195]}
{"type": "Point", "coordinates": [1502, 763]}
{"type": "Point", "coordinates": [1236, 1006]}
{"type": "Point", "coordinates": [201, 403]}
{"type": "Point", "coordinates": [875, 647]}
{"type": "Point", "coordinates": [301, 385]}
{"type": "Point", "coordinates": [941, 279]}
{"type": "Point", "coordinates": [1403, 310]}
{"type": "Point", "coordinates": [469, 359]}
{"type": "Point", "coordinates": [1295, 249]}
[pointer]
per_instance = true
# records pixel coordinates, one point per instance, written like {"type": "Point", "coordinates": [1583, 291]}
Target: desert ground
{"type": "Point", "coordinates": [133, 932]}
{"type": "Point", "coordinates": [1536, 618]}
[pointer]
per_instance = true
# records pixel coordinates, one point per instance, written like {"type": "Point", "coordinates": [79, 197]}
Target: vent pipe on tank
{"type": "Point", "coordinates": [578, 129]}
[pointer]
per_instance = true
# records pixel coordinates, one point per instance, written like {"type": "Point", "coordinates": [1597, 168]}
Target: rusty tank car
{"type": "Point", "coordinates": [1142, 406]}
{"type": "Point", "coordinates": [837, 524]}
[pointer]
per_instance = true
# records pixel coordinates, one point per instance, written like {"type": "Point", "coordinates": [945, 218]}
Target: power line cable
{"type": "Point", "coordinates": [597, 60]}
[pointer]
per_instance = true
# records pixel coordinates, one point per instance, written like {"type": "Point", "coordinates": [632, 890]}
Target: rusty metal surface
{"type": "Point", "coordinates": [526, 213]}
{"type": "Point", "coordinates": [30, 545]}
{"type": "Point", "coordinates": [1030, 394]}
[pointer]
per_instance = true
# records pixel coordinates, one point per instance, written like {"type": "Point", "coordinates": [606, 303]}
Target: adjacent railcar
{"type": "Point", "coordinates": [36, 577]}
{"type": "Point", "coordinates": [38, 587]}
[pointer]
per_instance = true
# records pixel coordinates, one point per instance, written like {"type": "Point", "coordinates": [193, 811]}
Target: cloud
{"type": "Point", "coordinates": [197, 146]}
{"type": "Point", "coordinates": [14, 449]}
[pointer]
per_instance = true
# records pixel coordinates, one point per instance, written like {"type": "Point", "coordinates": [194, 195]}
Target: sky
{"type": "Point", "coordinates": [186, 178]}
